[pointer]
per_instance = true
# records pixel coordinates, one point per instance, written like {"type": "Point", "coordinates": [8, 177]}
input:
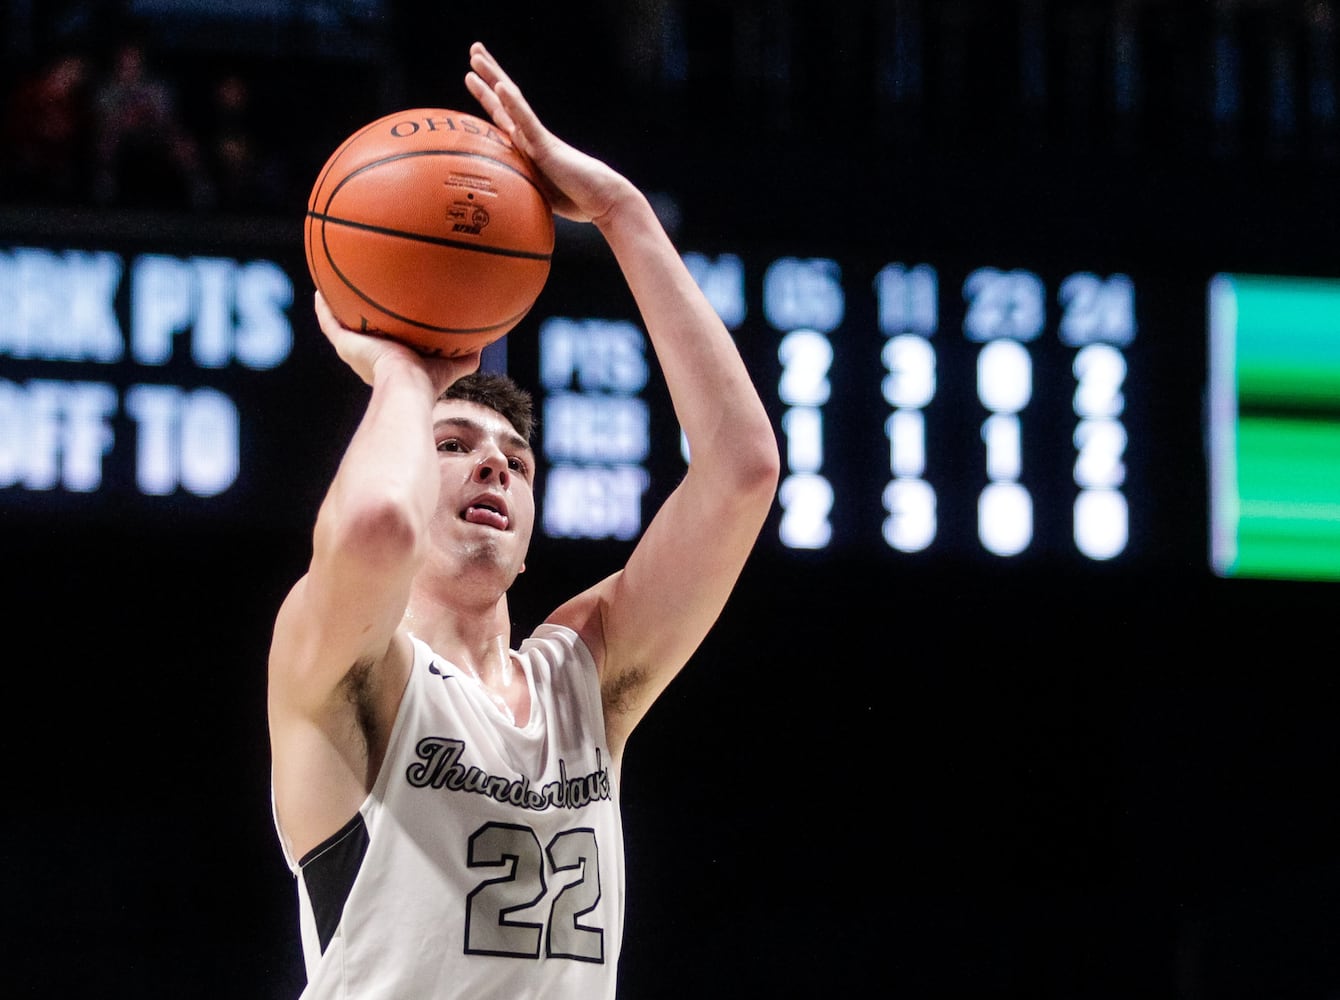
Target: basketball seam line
{"type": "Point", "coordinates": [441, 241]}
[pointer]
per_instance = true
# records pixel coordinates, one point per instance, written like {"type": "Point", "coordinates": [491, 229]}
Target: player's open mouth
{"type": "Point", "coordinates": [487, 511]}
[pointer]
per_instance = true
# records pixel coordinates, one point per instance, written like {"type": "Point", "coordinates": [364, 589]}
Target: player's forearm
{"type": "Point", "coordinates": [713, 395]}
{"type": "Point", "coordinates": [386, 487]}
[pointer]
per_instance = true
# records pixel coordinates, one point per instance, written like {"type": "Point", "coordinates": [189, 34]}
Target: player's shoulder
{"type": "Point", "coordinates": [584, 616]}
{"type": "Point", "coordinates": [562, 639]}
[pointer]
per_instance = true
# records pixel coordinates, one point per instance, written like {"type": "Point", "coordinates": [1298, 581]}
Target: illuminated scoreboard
{"type": "Point", "coordinates": [916, 408]}
{"type": "Point", "coordinates": [1074, 409]}
{"type": "Point", "coordinates": [80, 316]}
{"type": "Point", "coordinates": [162, 376]}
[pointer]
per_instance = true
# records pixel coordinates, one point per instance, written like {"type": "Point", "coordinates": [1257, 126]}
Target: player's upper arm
{"type": "Point", "coordinates": [645, 621]}
{"type": "Point", "coordinates": [347, 606]}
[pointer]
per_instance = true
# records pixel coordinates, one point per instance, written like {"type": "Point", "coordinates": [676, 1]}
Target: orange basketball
{"type": "Point", "coordinates": [429, 227]}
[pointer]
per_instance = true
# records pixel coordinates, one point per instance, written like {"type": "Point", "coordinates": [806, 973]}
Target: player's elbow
{"type": "Point", "coordinates": [390, 525]}
{"type": "Point", "coordinates": [752, 472]}
{"type": "Point", "coordinates": [759, 464]}
{"type": "Point", "coordinates": [378, 530]}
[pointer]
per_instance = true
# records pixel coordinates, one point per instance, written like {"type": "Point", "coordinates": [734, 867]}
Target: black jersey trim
{"type": "Point", "coordinates": [329, 870]}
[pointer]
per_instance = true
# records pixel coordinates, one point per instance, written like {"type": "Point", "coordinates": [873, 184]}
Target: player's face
{"type": "Point", "coordinates": [486, 505]}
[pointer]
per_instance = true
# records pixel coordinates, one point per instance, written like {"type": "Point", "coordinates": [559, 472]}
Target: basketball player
{"type": "Point", "coordinates": [449, 800]}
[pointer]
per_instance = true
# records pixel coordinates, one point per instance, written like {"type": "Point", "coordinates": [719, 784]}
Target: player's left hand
{"type": "Point", "coordinates": [579, 186]}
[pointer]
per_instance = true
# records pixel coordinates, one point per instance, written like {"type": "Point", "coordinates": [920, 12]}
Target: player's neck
{"type": "Point", "coordinates": [452, 618]}
{"type": "Point", "coordinates": [491, 663]}
{"type": "Point", "coordinates": [476, 639]}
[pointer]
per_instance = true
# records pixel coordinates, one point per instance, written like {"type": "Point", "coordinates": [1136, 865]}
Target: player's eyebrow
{"type": "Point", "coordinates": [509, 437]}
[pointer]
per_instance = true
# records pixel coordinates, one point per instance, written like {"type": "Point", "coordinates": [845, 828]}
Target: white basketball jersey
{"type": "Point", "coordinates": [488, 860]}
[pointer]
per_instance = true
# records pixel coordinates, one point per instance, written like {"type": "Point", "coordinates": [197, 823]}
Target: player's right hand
{"type": "Point", "coordinates": [363, 352]}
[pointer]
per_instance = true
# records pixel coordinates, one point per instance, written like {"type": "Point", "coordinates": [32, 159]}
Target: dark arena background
{"type": "Point", "coordinates": [1028, 690]}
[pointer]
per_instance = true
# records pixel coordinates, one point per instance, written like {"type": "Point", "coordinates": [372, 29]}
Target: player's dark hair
{"type": "Point", "coordinates": [497, 392]}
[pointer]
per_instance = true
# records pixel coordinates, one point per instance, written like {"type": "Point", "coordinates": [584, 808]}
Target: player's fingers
{"type": "Point", "coordinates": [502, 99]}
{"type": "Point", "coordinates": [527, 129]}
{"type": "Point", "coordinates": [483, 63]}
{"type": "Point", "coordinates": [324, 316]}
{"type": "Point", "coordinates": [488, 100]}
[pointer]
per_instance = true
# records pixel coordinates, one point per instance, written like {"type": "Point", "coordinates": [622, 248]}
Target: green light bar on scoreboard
{"type": "Point", "coordinates": [1274, 427]}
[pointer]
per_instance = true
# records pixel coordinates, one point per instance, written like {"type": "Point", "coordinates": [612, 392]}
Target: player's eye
{"type": "Point", "coordinates": [517, 466]}
{"type": "Point", "coordinates": [450, 444]}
